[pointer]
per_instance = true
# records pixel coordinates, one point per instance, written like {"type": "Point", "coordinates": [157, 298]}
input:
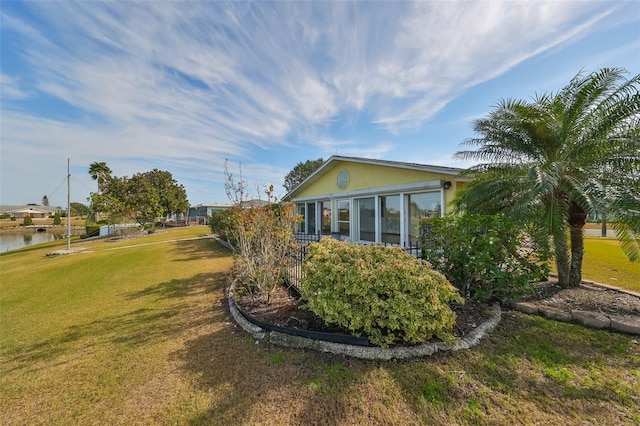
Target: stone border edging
{"type": "Point", "coordinates": [363, 352]}
{"type": "Point", "coordinates": [622, 323]}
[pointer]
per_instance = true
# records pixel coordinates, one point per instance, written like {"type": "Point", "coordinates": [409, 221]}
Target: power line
{"type": "Point", "coordinates": [58, 187]}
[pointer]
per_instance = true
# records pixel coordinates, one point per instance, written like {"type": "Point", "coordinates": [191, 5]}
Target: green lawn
{"type": "Point", "coordinates": [605, 262]}
{"type": "Point", "coordinates": [137, 332]}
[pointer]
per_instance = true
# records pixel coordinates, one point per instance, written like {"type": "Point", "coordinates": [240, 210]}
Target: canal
{"type": "Point", "coordinates": [16, 238]}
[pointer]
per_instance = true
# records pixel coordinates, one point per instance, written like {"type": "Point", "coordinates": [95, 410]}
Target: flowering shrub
{"type": "Point", "coordinates": [381, 291]}
{"type": "Point", "coordinates": [262, 237]}
{"type": "Point", "coordinates": [484, 256]}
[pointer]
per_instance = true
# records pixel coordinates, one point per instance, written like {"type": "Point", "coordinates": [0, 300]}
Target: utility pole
{"type": "Point", "coordinates": [68, 204]}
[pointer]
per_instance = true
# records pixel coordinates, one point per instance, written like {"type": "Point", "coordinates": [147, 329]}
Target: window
{"type": "Point", "coordinates": [421, 206]}
{"type": "Point", "coordinates": [301, 211]}
{"type": "Point", "coordinates": [344, 217]}
{"type": "Point", "coordinates": [390, 219]}
{"type": "Point", "coordinates": [311, 218]}
{"type": "Point", "coordinates": [326, 217]}
{"type": "Point", "coordinates": [367, 219]}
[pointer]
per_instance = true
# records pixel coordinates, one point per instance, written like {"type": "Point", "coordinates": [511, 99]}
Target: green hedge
{"type": "Point", "coordinates": [92, 230]}
{"type": "Point", "coordinates": [383, 292]}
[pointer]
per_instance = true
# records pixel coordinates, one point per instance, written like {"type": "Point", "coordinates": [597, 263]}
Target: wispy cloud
{"type": "Point", "coordinates": [183, 83]}
{"type": "Point", "coordinates": [10, 88]}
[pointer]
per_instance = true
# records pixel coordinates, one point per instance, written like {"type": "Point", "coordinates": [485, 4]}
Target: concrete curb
{"type": "Point", "coordinates": [364, 352]}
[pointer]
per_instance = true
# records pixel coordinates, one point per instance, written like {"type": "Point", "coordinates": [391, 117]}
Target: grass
{"type": "Point", "coordinates": [605, 262]}
{"type": "Point", "coordinates": [132, 332]}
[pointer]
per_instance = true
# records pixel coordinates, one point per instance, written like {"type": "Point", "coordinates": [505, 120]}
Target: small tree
{"type": "Point", "coordinates": [56, 219]}
{"type": "Point", "coordinates": [27, 221]}
{"type": "Point", "coordinates": [262, 238]}
{"type": "Point", "coordinates": [144, 197]}
{"type": "Point", "coordinates": [45, 201]}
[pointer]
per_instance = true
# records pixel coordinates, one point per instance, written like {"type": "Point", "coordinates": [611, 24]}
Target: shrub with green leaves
{"type": "Point", "coordinates": [27, 221]}
{"type": "Point", "coordinates": [222, 223]}
{"type": "Point", "coordinates": [485, 256]}
{"type": "Point", "coordinates": [383, 292]}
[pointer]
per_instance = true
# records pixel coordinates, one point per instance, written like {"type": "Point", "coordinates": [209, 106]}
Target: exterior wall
{"type": "Point", "coordinates": [363, 191]}
{"type": "Point", "coordinates": [367, 176]}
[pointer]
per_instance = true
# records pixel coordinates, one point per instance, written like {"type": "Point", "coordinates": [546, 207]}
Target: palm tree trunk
{"type": "Point", "coordinates": [577, 219]}
{"type": "Point", "coordinates": [561, 251]}
{"type": "Point", "coordinates": [577, 253]}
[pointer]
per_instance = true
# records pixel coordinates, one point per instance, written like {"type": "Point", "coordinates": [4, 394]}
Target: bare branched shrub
{"type": "Point", "coordinates": [262, 235]}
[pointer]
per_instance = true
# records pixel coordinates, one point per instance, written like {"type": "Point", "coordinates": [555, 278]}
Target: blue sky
{"type": "Point", "coordinates": [182, 86]}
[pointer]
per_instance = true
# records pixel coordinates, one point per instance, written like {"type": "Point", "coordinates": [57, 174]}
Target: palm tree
{"type": "Point", "coordinates": [558, 158]}
{"type": "Point", "coordinates": [99, 171]}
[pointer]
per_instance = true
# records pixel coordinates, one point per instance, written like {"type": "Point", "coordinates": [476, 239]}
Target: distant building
{"type": "Point", "coordinates": [34, 212]}
{"type": "Point", "coordinates": [199, 214]}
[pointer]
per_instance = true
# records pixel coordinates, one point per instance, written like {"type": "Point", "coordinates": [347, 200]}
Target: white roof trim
{"type": "Point", "coordinates": [387, 163]}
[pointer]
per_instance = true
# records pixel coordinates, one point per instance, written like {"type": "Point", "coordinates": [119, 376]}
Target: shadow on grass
{"type": "Point", "coordinates": [556, 372]}
{"type": "Point", "coordinates": [181, 288]}
{"type": "Point", "coordinates": [160, 317]}
{"type": "Point", "coordinates": [206, 248]}
{"type": "Point", "coordinates": [253, 382]}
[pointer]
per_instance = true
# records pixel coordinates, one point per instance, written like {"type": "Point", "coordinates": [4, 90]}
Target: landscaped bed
{"type": "Point", "coordinates": [287, 310]}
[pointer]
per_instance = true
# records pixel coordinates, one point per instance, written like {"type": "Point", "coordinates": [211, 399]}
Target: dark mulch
{"type": "Point", "coordinates": [286, 310]}
{"type": "Point", "coordinates": [587, 297]}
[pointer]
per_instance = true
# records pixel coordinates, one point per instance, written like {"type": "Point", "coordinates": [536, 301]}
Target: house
{"type": "Point", "coordinates": [200, 213]}
{"type": "Point", "coordinates": [366, 200]}
{"type": "Point", "coordinates": [35, 212]}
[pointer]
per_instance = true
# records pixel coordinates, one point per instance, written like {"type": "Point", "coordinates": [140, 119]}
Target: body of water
{"type": "Point", "coordinates": [15, 239]}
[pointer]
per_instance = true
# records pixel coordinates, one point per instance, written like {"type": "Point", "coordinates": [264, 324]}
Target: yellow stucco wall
{"type": "Point", "coordinates": [369, 176]}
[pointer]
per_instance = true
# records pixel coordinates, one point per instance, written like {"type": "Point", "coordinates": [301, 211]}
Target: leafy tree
{"type": "Point", "coordinates": [56, 219]}
{"type": "Point", "coordinates": [45, 201]}
{"type": "Point", "coordinates": [144, 197]}
{"type": "Point", "coordinates": [99, 172]}
{"type": "Point", "coordinates": [300, 172]}
{"type": "Point", "coordinates": [79, 209]}
{"type": "Point", "coordinates": [172, 198]}
{"type": "Point", "coordinates": [556, 159]}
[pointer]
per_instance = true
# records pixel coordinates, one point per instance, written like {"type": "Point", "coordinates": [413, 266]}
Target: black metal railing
{"type": "Point", "coordinates": [298, 254]}
{"type": "Point", "coordinates": [306, 239]}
